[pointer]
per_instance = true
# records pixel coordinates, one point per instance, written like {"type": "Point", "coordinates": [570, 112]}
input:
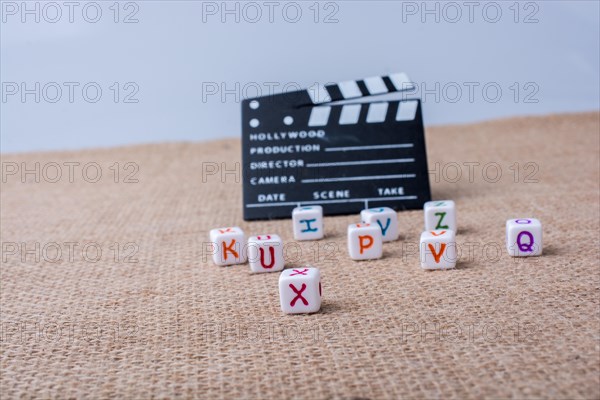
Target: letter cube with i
{"type": "Point", "coordinates": [229, 246]}
{"type": "Point", "coordinates": [365, 241]}
{"type": "Point", "coordinates": [300, 290]}
{"type": "Point", "coordinates": [308, 222]}
{"type": "Point", "coordinates": [265, 253]}
{"type": "Point", "coordinates": [386, 218]}
{"type": "Point", "coordinates": [438, 249]}
{"type": "Point", "coordinates": [524, 237]}
{"type": "Point", "coordinates": [440, 214]}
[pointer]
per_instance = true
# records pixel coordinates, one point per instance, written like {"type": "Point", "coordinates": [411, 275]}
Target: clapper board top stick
{"type": "Point", "coordinates": [303, 148]}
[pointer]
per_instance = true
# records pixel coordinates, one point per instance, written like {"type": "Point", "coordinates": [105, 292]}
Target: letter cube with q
{"type": "Point", "coordinates": [265, 253]}
{"type": "Point", "coordinates": [300, 290]}
{"type": "Point", "coordinates": [365, 241]}
{"type": "Point", "coordinates": [524, 237]}
{"type": "Point", "coordinates": [228, 246]}
{"type": "Point", "coordinates": [308, 222]}
{"type": "Point", "coordinates": [386, 218]}
{"type": "Point", "coordinates": [438, 249]}
{"type": "Point", "coordinates": [440, 214]}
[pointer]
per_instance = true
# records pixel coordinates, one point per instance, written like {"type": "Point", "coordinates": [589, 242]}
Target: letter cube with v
{"type": "Point", "coordinates": [265, 253]}
{"type": "Point", "coordinates": [365, 241]}
{"type": "Point", "coordinates": [524, 237]}
{"type": "Point", "coordinates": [386, 218]}
{"type": "Point", "coordinates": [228, 246]}
{"type": "Point", "coordinates": [308, 222]}
{"type": "Point", "coordinates": [440, 214]}
{"type": "Point", "coordinates": [438, 249]}
{"type": "Point", "coordinates": [300, 290]}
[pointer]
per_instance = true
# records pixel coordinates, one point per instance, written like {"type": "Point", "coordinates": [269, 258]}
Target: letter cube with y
{"type": "Point", "coordinates": [438, 249]}
{"type": "Point", "coordinates": [365, 241]}
{"type": "Point", "coordinates": [440, 214]}
{"type": "Point", "coordinates": [265, 253]}
{"type": "Point", "coordinates": [300, 290]}
{"type": "Point", "coordinates": [524, 237]}
{"type": "Point", "coordinates": [386, 218]}
{"type": "Point", "coordinates": [308, 222]}
{"type": "Point", "coordinates": [228, 246]}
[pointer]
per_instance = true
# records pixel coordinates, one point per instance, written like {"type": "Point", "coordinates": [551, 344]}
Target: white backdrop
{"type": "Point", "coordinates": [80, 74]}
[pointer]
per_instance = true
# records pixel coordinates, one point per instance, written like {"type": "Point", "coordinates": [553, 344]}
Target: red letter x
{"type": "Point", "coordinates": [297, 272]}
{"type": "Point", "coordinates": [298, 294]}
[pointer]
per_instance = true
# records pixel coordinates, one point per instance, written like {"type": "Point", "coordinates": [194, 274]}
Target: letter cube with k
{"type": "Point", "coordinates": [365, 241]}
{"type": "Point", "coordinates": [440, 214]}
{"type": "Point", "coordinates": [265, 253]}
{"type": "Point", "coordinates": [228, 246]}
{"type": "Point", "coordinates": [438, 249]}
{"type": "Point", "coordinates": [308, 222]}
{"type": "Point", "coordinates": [524, 237]}
{"type": "Point", "coordinates": [386, 218]}
{"type": "Point", "coordinates": [300, 290]}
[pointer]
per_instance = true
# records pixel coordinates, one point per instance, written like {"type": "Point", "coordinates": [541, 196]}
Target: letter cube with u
{"type": "Point", "coordinates": [438, 249]}
{"type": "Point", "coordinates": [265, 253]}
{"type": "Point", "coordinates": [308, 222]}
{"type": "Point", "coordinates": [386, 218]}
{"type": "Point", "coordinates": [300, 290]}
{"type": "Point", "coordinates": [228, 246]}
{"type": "Point", "coordinates": [439, 215]}
{"type": "Point", "coordinates": [524, 237]}
{"type": "Point", "coordinates": [365, 241]}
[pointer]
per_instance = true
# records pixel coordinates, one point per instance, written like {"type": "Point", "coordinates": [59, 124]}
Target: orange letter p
{"type": "Point", "coordinates": [361, 242]}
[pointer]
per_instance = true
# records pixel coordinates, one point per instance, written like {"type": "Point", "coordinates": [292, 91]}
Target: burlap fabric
{"type": "Point", "coordinates": [174, 325]}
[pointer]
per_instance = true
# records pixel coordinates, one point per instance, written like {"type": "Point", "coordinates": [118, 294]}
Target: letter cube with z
{"type": "Point", "coordinates": [365, 241]}
{"type": "Point", "coordinates": [440, 214]}
{"type": "Point", "coordinates": [308, 222]}
{"type": "Point", "coordinates": [524, 237]}
{"type": "Point", "coordinates": [438, 249]}
{"type": "Point", "coordinates": [386, 218]}
{"type": "Point", "coordinates": [265, 253]}
{"type": "Point", "coordinates": [228, 246]}
{"type": "Point", "coordinates": [300, 290]}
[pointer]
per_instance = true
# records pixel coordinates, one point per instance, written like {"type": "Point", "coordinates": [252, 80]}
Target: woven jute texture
{"type": "Point", "coordinates": [152, 317]}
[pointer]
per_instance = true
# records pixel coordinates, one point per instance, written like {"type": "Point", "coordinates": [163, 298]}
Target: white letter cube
{"type": "Point", "coordinates": [265, 253]}
{"type": "Point", "coordinates": [524, 237]}
{"type": "Point", "coordinates": [308, 222]}
{"type": "Point", "coordinates": [438, 249]}
{"type": "Point", "coordinates": [440, 214]}
{"type": "Point", "coordinates": [229, 245]}
{"type": "Point", "coordinates": [300, 290]}
{"type": "Point", "coordinates": [365, 241]}
{"type": "Point", "coordinates": [386, 218]}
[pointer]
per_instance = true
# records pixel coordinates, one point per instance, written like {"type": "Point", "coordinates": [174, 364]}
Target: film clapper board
{"type": "Point", "coordinates": [316, 146]}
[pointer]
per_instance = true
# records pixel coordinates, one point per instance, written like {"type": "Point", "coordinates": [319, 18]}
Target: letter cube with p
{"type": "Point", "coordinates": [386, 218]}
{"type": "Point", "coordinates": [300, 290]}
{"type": "Point", "coordinates": [438, 249]}
{"type": "Point", "coordinates": [524, 237]}
{"type": "Point", "coordinates": [265, 253]}
{"type": "Point", "coordinates": [365, 241]}
{"type": "Point", "coordinates": [440, 214]}
{"type": "Point", "coordinates": [308, 222]}
{"type": "Point", "coordinates": [228, 246]}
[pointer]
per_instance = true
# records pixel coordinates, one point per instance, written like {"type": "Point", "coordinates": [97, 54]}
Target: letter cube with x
{"type": "Point", "coordinates": [228, 246]}
{"type": "Point", "coordinates": [365, 241]}
{"type": "Point", "coordinates": [386, 218]}
{"type": "Point", "coordinates": [265, 253]}
{"type": "Point", "coordinates": [308, 222]}
{"type": "Point", "coordinates": [438, 249]}
{"type": "Point", "coordinates": [439, 215]}
{"type": "Point", "coordinates": [524, 237]}
{"type": "Point", "coordinates": [300, 290]}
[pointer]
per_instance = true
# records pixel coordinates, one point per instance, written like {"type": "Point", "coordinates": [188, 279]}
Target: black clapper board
{"type": "Point", "coordinates": [300, 148]}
